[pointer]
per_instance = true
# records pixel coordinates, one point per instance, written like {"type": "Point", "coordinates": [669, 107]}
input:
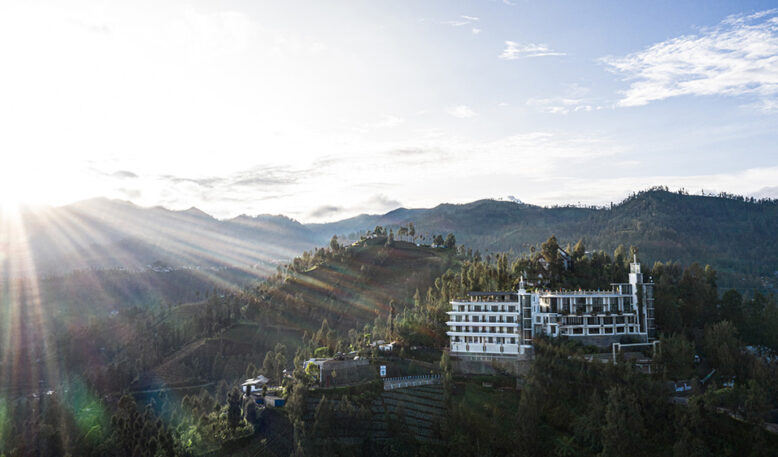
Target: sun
{"type": "Point", "coordinates": [19, 188]}
{"type": "Point", "coordinates": [11, 196]}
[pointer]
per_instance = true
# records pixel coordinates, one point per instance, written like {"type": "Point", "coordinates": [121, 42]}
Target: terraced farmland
{"type": "Point", "coordinates": [420, 410]}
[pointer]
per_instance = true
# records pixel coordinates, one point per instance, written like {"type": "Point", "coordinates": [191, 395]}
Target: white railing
{"type": "Point", "coordinates": [411, 381]}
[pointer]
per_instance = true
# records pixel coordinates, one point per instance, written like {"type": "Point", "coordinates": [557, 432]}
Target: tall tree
{"type": "Point", "coordinates": [624, 432]}
{"type": "Point", "coordinates": [234, 408]}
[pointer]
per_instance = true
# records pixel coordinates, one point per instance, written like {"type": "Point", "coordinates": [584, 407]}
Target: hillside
{"type": "Point", "coordinates": [111, 234]}
{"type": "Point", "coordinates": [359, 287]}
{"type": "Point", "coordinates": [349, 289]}
{"type": "Point", "coordinates": [734, 235]}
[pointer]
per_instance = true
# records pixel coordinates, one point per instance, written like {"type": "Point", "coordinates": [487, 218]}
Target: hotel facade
{"type": "Point", "coordinates": [497, 325]}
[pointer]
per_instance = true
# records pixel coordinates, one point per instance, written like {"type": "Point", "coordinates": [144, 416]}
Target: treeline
{"type": "Point", "coordinates": [570, 406]}
{"type": "Point", "coordinates": [688, 300]}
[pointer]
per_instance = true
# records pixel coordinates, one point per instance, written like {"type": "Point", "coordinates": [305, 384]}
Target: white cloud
{"type": "Point", "coordinates": [574, 100]}
{"type": "Point", "coordinates": [461, 112]}
{"type": "Point", "coordinates": [463, 20]}
{"type": "Point", "coordinates": [476, 31]}
{"type": "Point", "coordinates": [561, 105]}
{"type": "Point", "coordinates": [739, 56]}
{"type": "Point", "coordinates": [514, 50]}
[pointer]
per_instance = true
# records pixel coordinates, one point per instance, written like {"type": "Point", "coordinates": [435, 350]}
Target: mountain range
{"type": "Point", "coordinates": [736, 235]}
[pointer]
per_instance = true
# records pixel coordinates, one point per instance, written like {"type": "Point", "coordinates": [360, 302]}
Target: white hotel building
{"type": "Point", "coordinates": [494, 325]}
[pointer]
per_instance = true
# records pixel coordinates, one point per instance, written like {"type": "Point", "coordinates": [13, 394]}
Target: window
{"type": "Point", "coordinates": [594, 331]}
{"type": "Point", "coordinates": [577, 331]}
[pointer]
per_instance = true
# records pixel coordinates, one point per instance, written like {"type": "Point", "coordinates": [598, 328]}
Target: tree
{"type": "Point", "coordinates": [280, 363]}
{"type": "Point", "coordinates": [412, 231]}
{"type": "Point", "coordinates": [323, 419]}
{"type": "Point", "coordinates": [692, 430]}
{"type": "Point", "coordinates": [438, 240]}
{"type": "Point", "coordinates": [677, 355]}
{"type": "Point", "coordinates": [451, 241]}
{"type": "Point", "coordinates": [549, 250]}
{"type": "Point", "coordinates": [402, 231]}
{"type": "Point", "coordinates": [722, 347]}
{"type": "Point", "coordinates": [624, 432]}
{"type": "Point", "coordinates": [234, 410]}
{"type": "Point", "coordinates": [392, 316]}
{"type": "Point", "coordinates": [446, 372]}
{"type": "Point", "coordinates": [268, 366]}
{"type": "Point", "coordinates": [579, 251]}
{"type": "Point", "coordinates": [251, 371]}
{"type": "Point", "coordinates": [731, 308]}
{"type": "Point", "coordinates": [334, 244]}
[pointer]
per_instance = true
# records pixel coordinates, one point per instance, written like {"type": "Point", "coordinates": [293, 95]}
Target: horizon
{"type": "Point", "coordinates": [254, 108]}
{"type": "Point", "coordinates": [607, 206]}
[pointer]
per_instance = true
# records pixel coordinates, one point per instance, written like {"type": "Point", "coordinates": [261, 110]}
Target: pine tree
{"type": "Point", "coordinates": [624, 432]}
{"type": "Point", "coordinates": [234, 410]}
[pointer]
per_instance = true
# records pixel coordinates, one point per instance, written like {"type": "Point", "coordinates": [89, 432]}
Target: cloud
{"type": "Point", "coordinates": [130, 193]}
{"type": "Point", "coordinates": [766, 192]}
{"type": "Point", "coordinates": [122, 174]}
{"type": "Point", "coordinates": [573, 100]}
{"type": "Point", "coordinates": [514, 50]}
{"type": "Point", "coordinates": [324, 211]}
{"type": "Point", "coordinates": [382, 202]}
{"type": "Point", "coordinates": [560, 105]}
{"type": "Point", "coordinates": [475, 31]}
{"type": "Point", "coordinates": [410, 151]}
{"type": "Point", "coordinates": [739, 56]}
{"type": "Point", "coordinates": [463, 20]}
{"type": "Point", "coordinates": [461, 112]}
{"type": "Point", "coordinates": [254, 177]}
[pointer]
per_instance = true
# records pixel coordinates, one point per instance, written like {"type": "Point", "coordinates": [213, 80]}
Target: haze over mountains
{"type": "Point", "coordinates": [736, 235]}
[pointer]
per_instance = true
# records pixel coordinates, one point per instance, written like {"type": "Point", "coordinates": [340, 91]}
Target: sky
{"type": "Point", "coordinates": [324, 110]}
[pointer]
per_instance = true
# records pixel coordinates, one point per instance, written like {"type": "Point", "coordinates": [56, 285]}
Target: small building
{"type": "Point", "coordinates": [252, 385]}
{"type": "Point", "coordinates": [337, 372]}
{"type": "Point", "coordinates": [387, 347]}
{"type": "Point", "coordinates": [273, 401]}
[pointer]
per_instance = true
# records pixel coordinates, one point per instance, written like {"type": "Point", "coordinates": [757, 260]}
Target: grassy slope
{"type": "Point", "coordinates": [358, 290]}
{"type": "Point", "coordinates": [347, 293]}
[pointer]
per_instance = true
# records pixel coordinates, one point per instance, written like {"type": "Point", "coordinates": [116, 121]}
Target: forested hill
{"type": "Point", "coordinates": [735, 235]}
